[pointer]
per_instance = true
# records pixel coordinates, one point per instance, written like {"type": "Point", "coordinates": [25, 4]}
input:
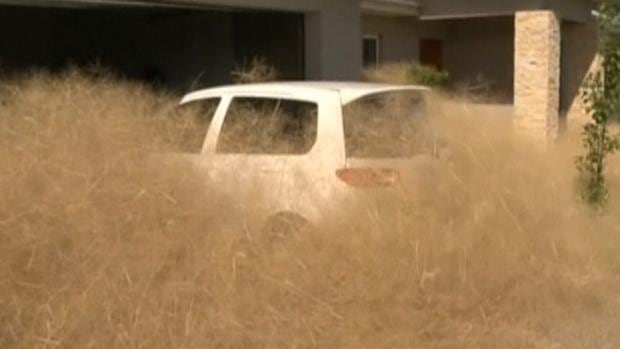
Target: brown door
{"type": "Point", "coordinates": [431, 53]}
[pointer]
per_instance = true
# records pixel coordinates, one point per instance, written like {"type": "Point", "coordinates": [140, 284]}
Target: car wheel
{"type": "Point", "coordinates": [285, 227]}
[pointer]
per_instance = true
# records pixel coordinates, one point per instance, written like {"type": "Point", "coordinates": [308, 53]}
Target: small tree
{"type": "Point", "coordinates": [601, 96]}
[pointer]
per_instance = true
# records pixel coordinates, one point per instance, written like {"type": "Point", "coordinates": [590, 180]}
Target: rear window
{"type": "Point", "coordinates": [191, 124]}
{"type": "Point", "coordinates": [387, 125]}
{"type": "Point", "coordinates": [268, 126]}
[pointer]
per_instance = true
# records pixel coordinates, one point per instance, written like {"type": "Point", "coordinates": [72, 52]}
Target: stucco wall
{"type": "Point", "coordinates": [400, 35]}
{"type": "Point", "coordinates": [333, 41]}
{"type": "Point", "coordinates": [483, 48]}
{"type": "Point", "coordinates": [473, 48]}
{"type": "Point", "coordinates": [333, 33]}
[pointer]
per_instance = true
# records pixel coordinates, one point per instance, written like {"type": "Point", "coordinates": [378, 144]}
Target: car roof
{"type": "Point", "coordinates": [348, 91]}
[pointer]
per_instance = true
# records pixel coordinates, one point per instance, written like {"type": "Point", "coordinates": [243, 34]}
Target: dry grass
{"type": "Point", "coordinates": [395, 73]}
{"type": "Point", "coordinates": [100, 249]}
{"type": "Point", "coordinates": [406, 73]}
{"type": "Point", "coordinates": [255, 71]}
{"type": "Point", "coordinates": [477, 90]}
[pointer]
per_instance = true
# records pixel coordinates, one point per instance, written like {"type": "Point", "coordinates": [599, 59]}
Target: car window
{"type": "Point", "coordinates": [192, 123]}
{"type": "Point", "coordinates": [387, 125]}
{"type": "Point", "coordinates": [268, 126]}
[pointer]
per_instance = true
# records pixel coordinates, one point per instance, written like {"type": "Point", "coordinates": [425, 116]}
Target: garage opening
{"type": "Point", "coordinates": [177, 48]}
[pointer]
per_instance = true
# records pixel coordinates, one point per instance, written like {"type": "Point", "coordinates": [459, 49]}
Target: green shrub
{"type": "Point", "coordinates": [602, 97]}
{"type": "Point", "coordinates": [425, 75]}
{"type": "Point", "coordinates": [406, 73]}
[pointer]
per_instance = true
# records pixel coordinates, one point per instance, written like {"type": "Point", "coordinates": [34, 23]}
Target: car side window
{"type": "Point", "coordinates": [268, 126]}
{"type": "Point", "coordinates": [194, 120]}
{"type": "Point", "coordinates": [387, 125]}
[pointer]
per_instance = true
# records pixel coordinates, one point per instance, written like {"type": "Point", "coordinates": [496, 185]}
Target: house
{"type": "Point", "coordinates": [533, 53]}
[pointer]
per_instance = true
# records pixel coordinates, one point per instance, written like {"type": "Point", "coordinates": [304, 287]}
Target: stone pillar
{"type": "Point", "coordinates": [537, 74]}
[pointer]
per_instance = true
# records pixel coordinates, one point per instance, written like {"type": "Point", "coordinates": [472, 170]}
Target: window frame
{"type": "Point", "coordinates": [225, 114]}
{"type": "Point", "coordinates": [376, 38]}
{"type": "Point", "coordinates": [218, 100]}
{"type": "Point", "coordinates": [349, 119]}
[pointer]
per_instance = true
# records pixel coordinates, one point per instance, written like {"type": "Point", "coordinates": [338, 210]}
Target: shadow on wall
{"type": "Point", "coordinates": [153, 76]}
{"type": "Point", "coordinates": [479, 54]}
{"type": "Point", "coordinates": [579, 51]}
{"type": "Point", "coordinates": [177, 49]}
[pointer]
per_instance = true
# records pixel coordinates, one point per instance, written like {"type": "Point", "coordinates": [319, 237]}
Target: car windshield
{"type": "Point", "coordinates": [387, 125]}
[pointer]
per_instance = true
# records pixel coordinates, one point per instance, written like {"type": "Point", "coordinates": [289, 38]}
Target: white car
{"type": "Point", "coordinates": [295, 151]}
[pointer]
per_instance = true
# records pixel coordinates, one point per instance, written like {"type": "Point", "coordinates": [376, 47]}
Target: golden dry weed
{"type": "Point", "coordinates": [102, 248]}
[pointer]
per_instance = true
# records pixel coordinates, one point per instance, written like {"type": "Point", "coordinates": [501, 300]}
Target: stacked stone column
{"type": "Point", "coordinates": [537, 74]}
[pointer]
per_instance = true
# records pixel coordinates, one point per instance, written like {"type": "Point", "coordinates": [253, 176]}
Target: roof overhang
{"type": "Point", "coordinates": [572, 10]}
{"type": "Point", "coordinates": [279, 5]}
{"type": "Point", "coordinates": [391, 7]}
{"type": "Point", "coordinates": [102, 3]}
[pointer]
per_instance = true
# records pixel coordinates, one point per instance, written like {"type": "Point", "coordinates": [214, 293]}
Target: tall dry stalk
{"type": "Point", "coordinates": [256, 70]}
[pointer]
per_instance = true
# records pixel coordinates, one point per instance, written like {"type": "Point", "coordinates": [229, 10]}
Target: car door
{"type": "Point", "coordinates": [391, 151]}
{"type": "Point", "coordinates": [242, 158]}
{"type": "Point", "coordinates": [310, 168]}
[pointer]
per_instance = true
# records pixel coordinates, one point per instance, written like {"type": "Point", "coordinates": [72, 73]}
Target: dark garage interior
{"type": "Point", "coordinates": [178, 48]}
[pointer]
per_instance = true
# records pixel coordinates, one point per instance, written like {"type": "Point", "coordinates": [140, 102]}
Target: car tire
{"type": "Point", "coordinates": [285, 227]}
